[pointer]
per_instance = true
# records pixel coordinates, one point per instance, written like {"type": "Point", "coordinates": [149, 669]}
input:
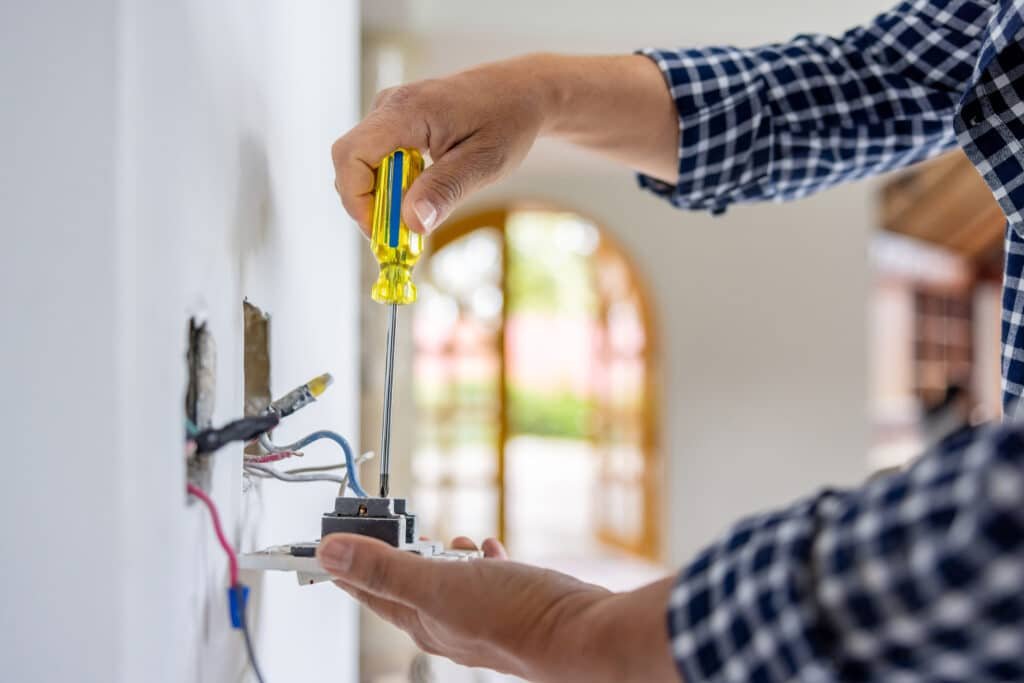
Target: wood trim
{"type": "Point", "coordinates": [460, 226]}
{"type": "Point", "coordinates": [946, 202]}
{"type": "Point", "coordinates": [450, 231]}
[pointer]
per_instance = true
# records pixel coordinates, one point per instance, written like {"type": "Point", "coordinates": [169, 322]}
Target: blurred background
{"type": "Point", "coordinates": [600, 380]}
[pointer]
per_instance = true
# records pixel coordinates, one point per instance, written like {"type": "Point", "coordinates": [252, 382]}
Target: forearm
{"type": "Point", "coordinates": [618, 106]}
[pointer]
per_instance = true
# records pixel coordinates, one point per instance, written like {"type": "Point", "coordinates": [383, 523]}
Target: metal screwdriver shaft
{"type": "Point", "coordinates": [396, 248]}
{"type": "Point", "coordinates": [385, 428]}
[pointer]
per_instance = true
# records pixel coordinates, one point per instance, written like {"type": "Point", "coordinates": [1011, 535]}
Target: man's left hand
{"type": "Point", "coordinates": [533, 623]}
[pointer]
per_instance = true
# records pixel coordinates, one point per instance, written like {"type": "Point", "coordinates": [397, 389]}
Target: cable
{"type": "Point", "coordinates": [316, 436]}
{"type": "Point", "coordinates": [243, 429]}
{"type": "Point", "coordinates": [318, 468]}
{"type": "Point", "coordinates": [306, 474]}
{"type": "Point", "coordinates": [293, 478]}
{"type": "Point", "coordinates": [271, 457]}
{"type": "Point", "coordinates": [327, 468]}
{"type": "Point", "coordinates": [219, 530]}
{"type": "Point", "coordinates": [250, 650]}
{"type": "Point", "coordinates": [238, 593]}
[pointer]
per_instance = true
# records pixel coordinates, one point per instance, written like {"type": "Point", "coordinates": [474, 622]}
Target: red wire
{"type": "Point", "coordinates": [271, 457]}
{"type": "Point", "coordinates": [224, 543]}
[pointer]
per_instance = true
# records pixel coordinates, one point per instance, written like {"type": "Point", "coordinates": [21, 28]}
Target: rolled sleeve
{"type": "Point", "coordinates": [722, 152]}
{"type": "Point", "coordinates": [782, 121]}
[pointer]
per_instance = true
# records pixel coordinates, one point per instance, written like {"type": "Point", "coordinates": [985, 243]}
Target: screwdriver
{"type": "Point", "coordinates": [396, 248]}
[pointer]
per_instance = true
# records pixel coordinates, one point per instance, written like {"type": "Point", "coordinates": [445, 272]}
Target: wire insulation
{"type": "Point", "coordinates": [327, 468]}
{"type": "Point", "coordinates": [294, 478]}
{"type": "Point", "coordinates": [353, 478]}
{"type": "Point", "coordinates": [249, 649]}
{"type": "Point", "coordinates": [242, 429]}
{"type": "Point", "coordinates": [233, 573]}
{"type": "Point", "coordinates": [271, 457]}
{"type": "Point", "coordinates": [219, 530]}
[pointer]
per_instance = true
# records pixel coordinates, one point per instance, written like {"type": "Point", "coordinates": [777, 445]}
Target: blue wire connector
{"type": "Point", "coordinates": [238, 596]}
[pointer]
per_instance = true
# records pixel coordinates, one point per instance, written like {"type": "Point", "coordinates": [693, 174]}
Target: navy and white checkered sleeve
{"type": "Point", "coordinates": [916, 576]}
{"type": "Point", "coordinates": [782, 121]}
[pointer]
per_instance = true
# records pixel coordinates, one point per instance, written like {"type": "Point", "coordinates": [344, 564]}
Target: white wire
{"type": "Point", "coordinates": [294, 478]}
{"type": "Point", "coordinates": [327, 468]}
{"type": "Point", "coordinates": [305, 474]}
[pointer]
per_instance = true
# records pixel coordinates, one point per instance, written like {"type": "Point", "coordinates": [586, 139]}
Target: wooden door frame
{"type": "Point", "coordinates": [466, 222]}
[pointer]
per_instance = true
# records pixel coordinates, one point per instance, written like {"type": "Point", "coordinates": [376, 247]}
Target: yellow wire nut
{"type": "Point", "coordinates": [318, 385]}
{"type": "Point", "coordinates": [395, 246]}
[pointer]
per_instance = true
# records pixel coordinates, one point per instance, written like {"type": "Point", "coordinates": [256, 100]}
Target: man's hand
{"type": "Point", "coordinates": [476, 125]}
{"type": "Point", "coordinates": [479, 124]}
{"type": "Point", "coordinates": [502, 615]}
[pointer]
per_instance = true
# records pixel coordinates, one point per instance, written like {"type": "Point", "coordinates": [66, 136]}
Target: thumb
{"type": "Point", "coordinates": [377, 568]}
{"type": "Point", "coordinates": [462, 170]}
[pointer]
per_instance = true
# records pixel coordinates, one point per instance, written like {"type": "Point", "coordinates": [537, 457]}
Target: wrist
{"type": "Point", "coordinates": [630, 636]}
{"type": "Point", "coordinates": [543, 81]}
{"type": "Point", "coordinates": [550, 80]}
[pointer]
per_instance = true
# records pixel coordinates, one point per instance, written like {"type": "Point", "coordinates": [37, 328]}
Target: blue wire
{"type": "Point", "coordinates": [350, 461]}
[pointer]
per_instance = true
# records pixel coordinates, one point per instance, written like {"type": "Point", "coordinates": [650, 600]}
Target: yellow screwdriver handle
{"type": "Point", "coordinates": [396, 247]}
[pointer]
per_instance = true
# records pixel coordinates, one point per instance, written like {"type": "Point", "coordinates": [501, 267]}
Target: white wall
{"type": "Point", "coordinates": [163, 160]}
{"type": "Point", "coordinates": [761, 320]}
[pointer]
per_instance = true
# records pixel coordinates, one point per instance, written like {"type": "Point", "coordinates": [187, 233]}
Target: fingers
{"type": "Point", "coordinates": [463, 169]}
{"type": "Point", "coordinates": [463, 543]}
{"type": "Point", "coordinates": [374, 567]}
{"type": "Point", "coordinates": [467, 149]}
{"type": "Point", "coordinates": [357, 154]}
{"type": "Point", "coordinates": [396, 613]}
{"type": "Point", "coordinates": [493, 549]}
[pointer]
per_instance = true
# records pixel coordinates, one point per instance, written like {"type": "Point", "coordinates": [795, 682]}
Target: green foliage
{"type": "Point", "coordinates": [542, 278]}
{"type": "Point", "coordinates": [562, 415]}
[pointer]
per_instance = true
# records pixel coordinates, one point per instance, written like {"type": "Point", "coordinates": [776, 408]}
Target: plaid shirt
{"type": "Point", "coordinates": [917, 576]}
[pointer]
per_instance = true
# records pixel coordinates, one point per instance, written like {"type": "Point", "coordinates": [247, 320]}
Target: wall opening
{"type": "Point", "coordinates": [255, 364]}
{"type": "Point", "coordinates": [200, 394]}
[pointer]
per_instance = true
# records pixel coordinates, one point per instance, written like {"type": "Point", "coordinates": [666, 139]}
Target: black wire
{"type": "Point", "coordinates": [244, 429]}
{"type": "Point", "coordinates": [250, 651]}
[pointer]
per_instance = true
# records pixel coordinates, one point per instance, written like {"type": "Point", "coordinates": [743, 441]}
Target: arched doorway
{"type": "Point", "coordinates": [534, 384]}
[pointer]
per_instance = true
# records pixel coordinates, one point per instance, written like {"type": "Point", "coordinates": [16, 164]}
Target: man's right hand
{"type": "Point", "coordinates": [479, 124]}
{"type": "Point", "coordinates": [476, 125]}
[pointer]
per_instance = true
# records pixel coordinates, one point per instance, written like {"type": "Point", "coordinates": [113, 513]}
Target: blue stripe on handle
{"type": "Point", "coordinates": [395, 214]}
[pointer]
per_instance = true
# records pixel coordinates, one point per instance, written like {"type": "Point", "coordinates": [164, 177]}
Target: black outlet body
{"type": "Point", "coordinates": [385, 519]}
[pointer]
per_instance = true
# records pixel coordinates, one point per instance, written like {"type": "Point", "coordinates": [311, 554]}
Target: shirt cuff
{"type": "Point", "coordinates": [740, 611]}
{"type": "Point", "coordinates": [722, 157]}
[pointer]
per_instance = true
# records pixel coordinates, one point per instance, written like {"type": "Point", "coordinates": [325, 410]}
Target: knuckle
{"type": "Point", "coordinates": [447, 186]}
{"type": "Point", "coordinates": [490, 155]}
{"type": "Point", "coordinates": [338, 150]}
{"type": "Point", "coordinates": [377, 575]}
{"type": "Point", "coordinates": [401, 96]}
{"type": "Point", "coordinates": [381, 97]}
